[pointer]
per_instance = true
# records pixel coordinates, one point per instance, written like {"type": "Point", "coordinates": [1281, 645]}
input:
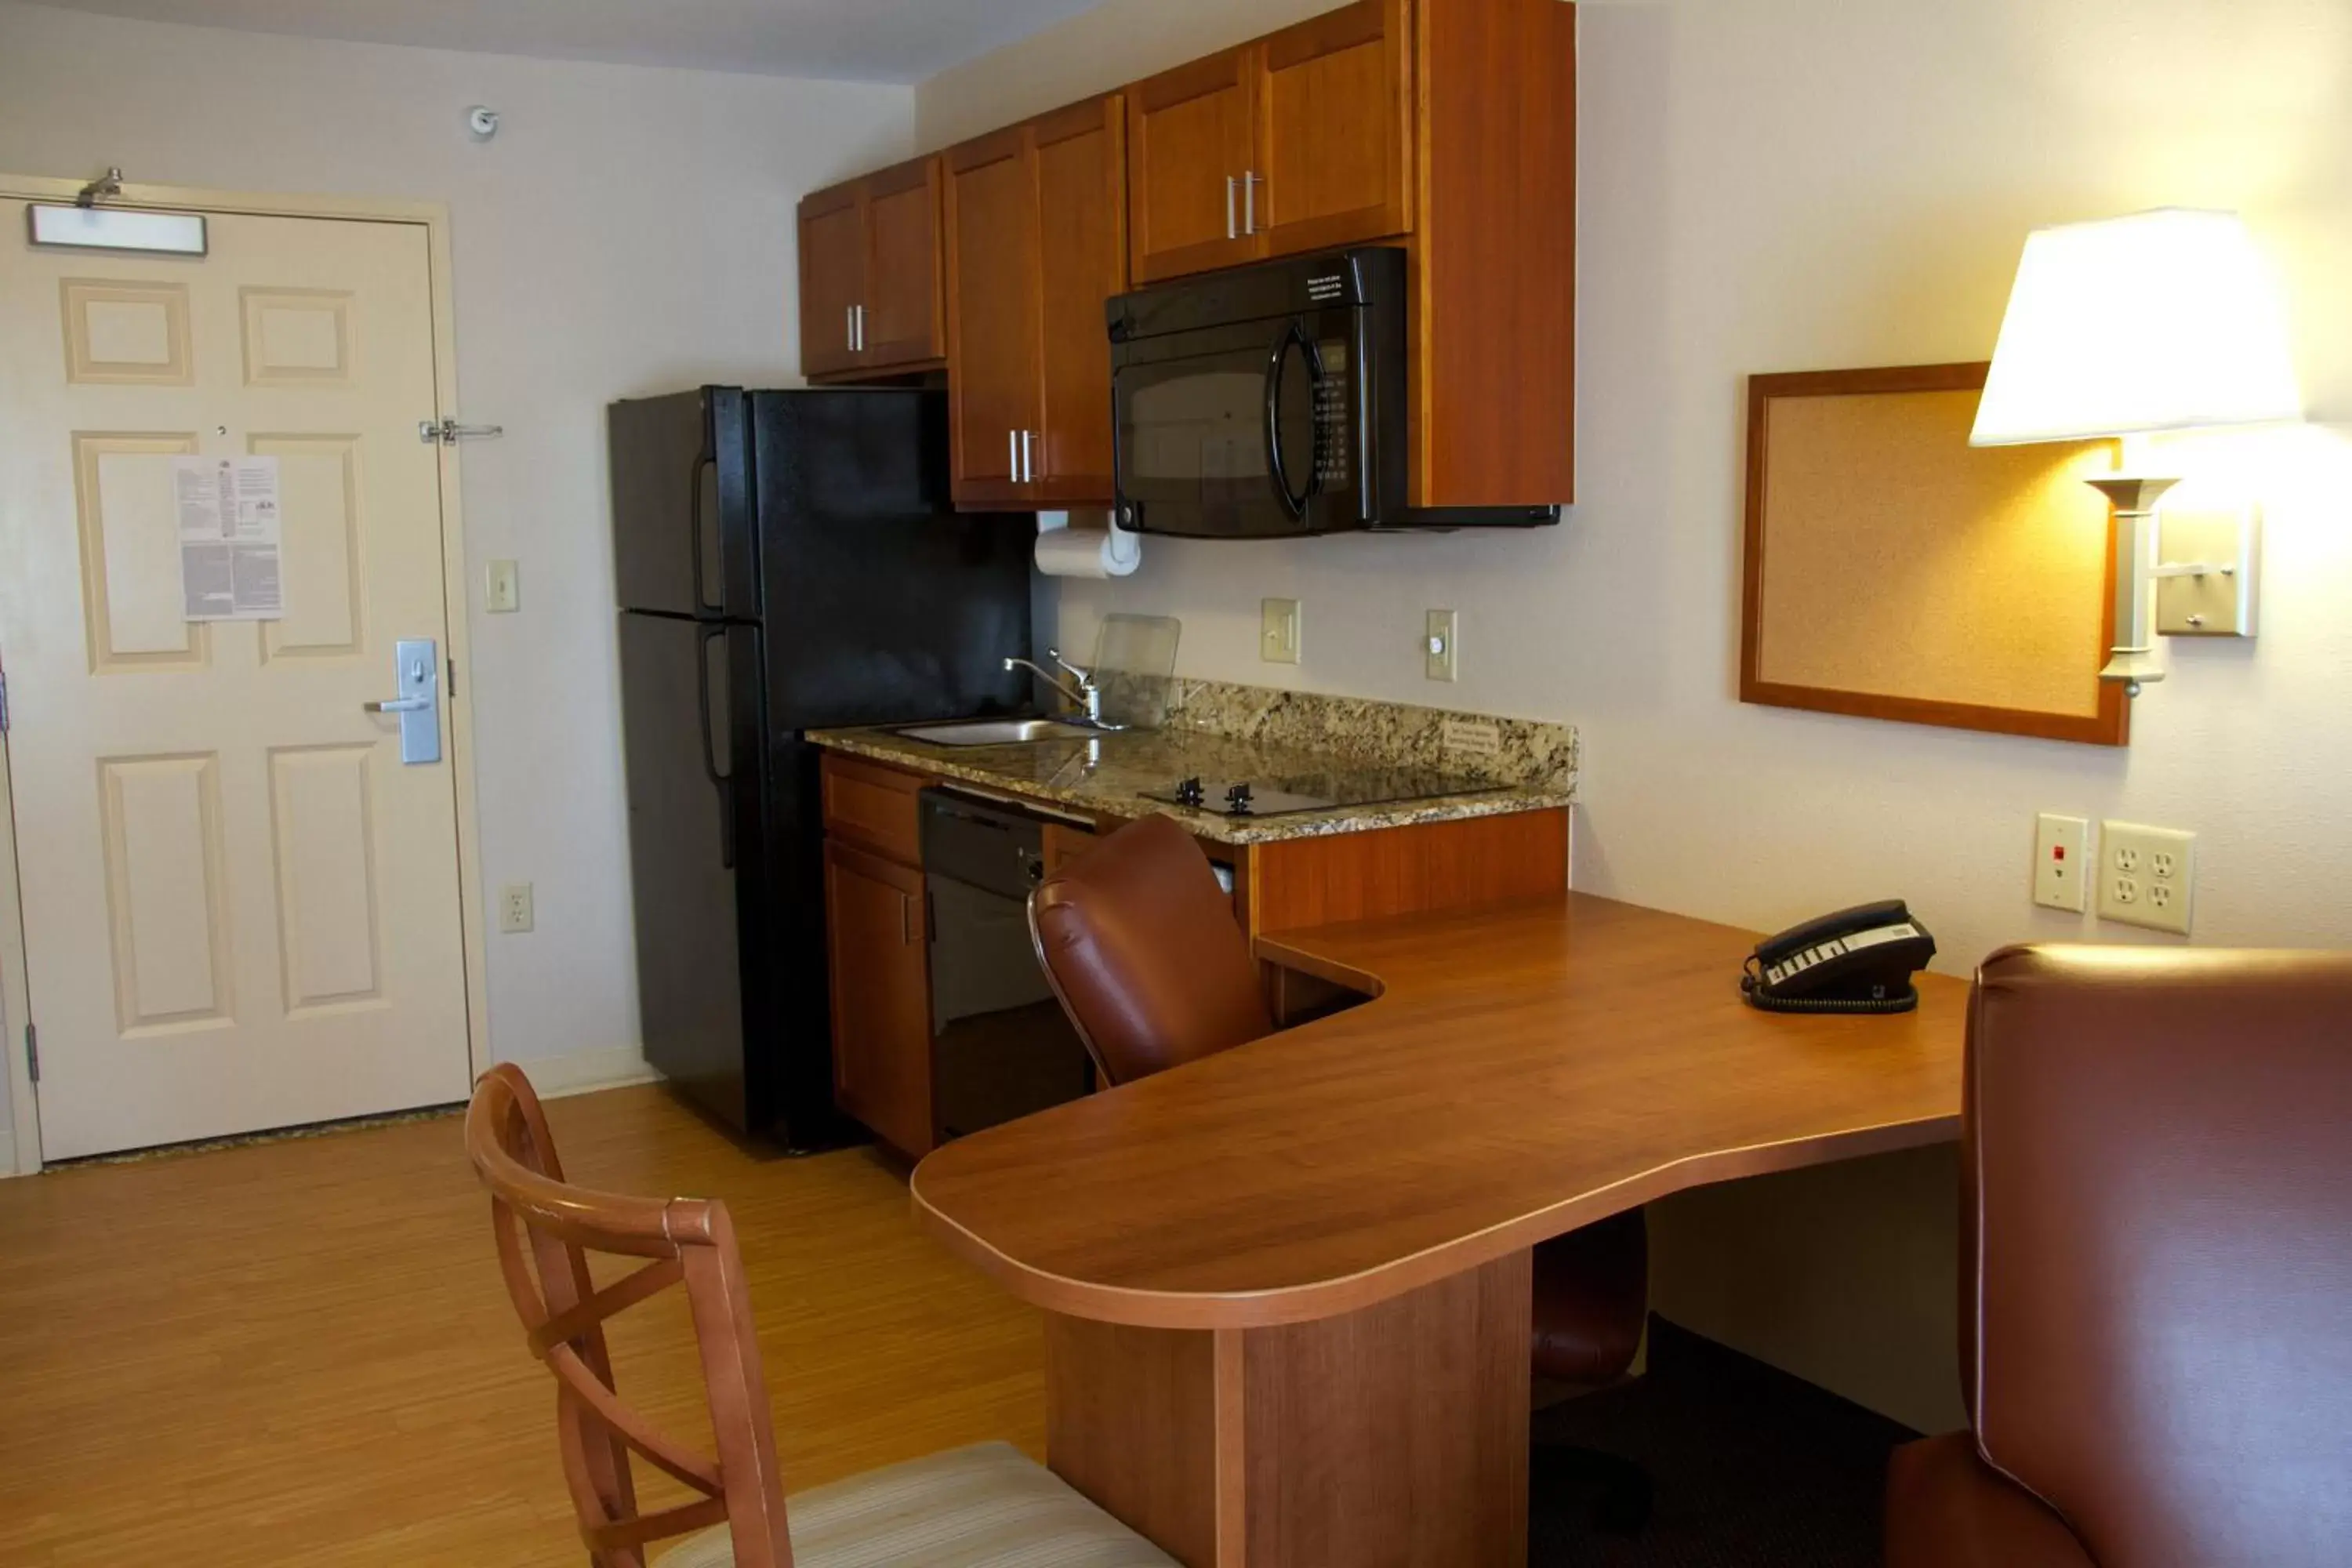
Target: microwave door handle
{"type": "Point", "coordinates": [1294, 501]}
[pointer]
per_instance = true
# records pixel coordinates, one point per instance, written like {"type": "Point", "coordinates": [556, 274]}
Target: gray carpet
{"type": "Point", "coordinates": [1751, 1468]}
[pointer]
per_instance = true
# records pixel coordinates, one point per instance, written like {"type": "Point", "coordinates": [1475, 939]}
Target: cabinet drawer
{"type": "Point", "coordinates": [875, 807]}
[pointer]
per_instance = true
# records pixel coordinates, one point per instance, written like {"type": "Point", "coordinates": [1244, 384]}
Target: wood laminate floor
{"type": "Point", "coordinates": [301, 1351]}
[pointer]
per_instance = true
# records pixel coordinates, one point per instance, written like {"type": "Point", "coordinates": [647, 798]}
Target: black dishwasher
{"type": "Point", "coordinates": [1001, 1046]}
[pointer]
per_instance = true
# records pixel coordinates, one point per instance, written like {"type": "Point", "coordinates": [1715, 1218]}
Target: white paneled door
{"type": "Point", "coordinates": [241, 906]}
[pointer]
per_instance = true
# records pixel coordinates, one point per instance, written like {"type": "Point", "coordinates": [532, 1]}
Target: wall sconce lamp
{"type": "Point", "coordinates": [2162, 320]}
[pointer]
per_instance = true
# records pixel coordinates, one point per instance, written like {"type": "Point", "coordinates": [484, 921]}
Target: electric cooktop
{"type": "Point", "coordinates": [1284, 794]}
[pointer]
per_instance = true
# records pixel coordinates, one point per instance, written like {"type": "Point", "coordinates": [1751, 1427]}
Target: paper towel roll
{"type": "Point", "coordinates": [1066, 552]}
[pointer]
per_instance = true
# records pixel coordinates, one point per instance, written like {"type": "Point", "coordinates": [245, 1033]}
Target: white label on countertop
{"type": "Point", "coordinates": [1475, 737]}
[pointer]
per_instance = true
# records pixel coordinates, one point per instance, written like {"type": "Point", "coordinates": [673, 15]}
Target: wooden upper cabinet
{"type": "Point", "coordinates": [1036, 246]}
{"type": "Point", "coordinates": [1335, 99]}
{"type": "Point", "coordinates": [993, 306]}
{"type": "Point", "coordinates": [871, 278]}
{"type": "Point", "coordinates": [1081, 157]}
{"type": "Point", "coordinates": [1301, 140]}
{"type": "Point", "coordinates": [1193, 141]}
{"type": "Point", "coordinates": [833, 279]}
{"type": "Point", "coordinates": [904, 322]}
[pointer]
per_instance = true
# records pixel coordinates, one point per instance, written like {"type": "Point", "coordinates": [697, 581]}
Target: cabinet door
{"type": "Point", "coordinates": [881, 995]}
{"type": "Point", "coordinates": [833, 278]}
{"type": "Point", "coordinates": [1336, 115]}
{"type": "Point", "coordinates": [902, 325]}
{"type": "Point", "coordinates": [992, 315]}
{"type": "Point", "coordinates": [1081, 157]}
{"type": "Point", "coordinates": [1191, 142]}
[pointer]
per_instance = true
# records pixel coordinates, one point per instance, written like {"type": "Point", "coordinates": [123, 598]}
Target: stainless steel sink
{"type": "Point", "coordinates": [996, 732]}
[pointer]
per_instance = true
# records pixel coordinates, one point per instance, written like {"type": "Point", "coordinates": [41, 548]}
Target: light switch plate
{"type": "Point", "coordinates": [2147, 876]}
{"type": "Point", "coordinates": [1443, 630]}
{"type": "Point", "coordinates": [2218, 603]}
{"type": "Point", "coordinates": [2062, 862]}
{"type": "Point", "coordinates": [502, 589]}
{"type": "Point", "coordinates": [1278, 638]}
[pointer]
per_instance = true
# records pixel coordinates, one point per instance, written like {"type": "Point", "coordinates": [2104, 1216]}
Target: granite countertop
{"type": "Point", "coordinates": [1283, 735]}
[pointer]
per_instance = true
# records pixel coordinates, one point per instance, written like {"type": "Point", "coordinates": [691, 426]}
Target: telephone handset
{"type": "Point", "coordinates": [1856, 960]}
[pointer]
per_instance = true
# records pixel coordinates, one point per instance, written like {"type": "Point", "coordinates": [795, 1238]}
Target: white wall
{"type": "Point", "coordinates": [629, 231]}
{"type": "Point", "coordinates": [1788, 184]}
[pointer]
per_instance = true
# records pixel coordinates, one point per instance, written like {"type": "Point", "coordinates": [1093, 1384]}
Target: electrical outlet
{"type": "Point", "coordinates": [515, 908]}
{"type": "Point", "coordinates": [2147, 876]}
{"type": "Point", "coordinates": [2062, 863]}
{"type": "Point", "coordinates": [1278, 638]}
{"type": "Point", "coordinates": [501, 588]}
{"type": "Point", "coordinates": [1444, 628]}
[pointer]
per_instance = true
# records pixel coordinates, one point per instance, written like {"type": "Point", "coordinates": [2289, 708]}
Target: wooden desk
{"type": "Point", "coordinates": [1290, 1283]}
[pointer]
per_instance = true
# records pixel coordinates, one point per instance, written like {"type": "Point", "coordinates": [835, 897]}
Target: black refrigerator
{"type": "Point", "coordinates": [786, 560]}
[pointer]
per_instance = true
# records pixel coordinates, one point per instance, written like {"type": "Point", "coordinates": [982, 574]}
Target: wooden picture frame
{"type": "Point", "coordinates": [1920, 579]}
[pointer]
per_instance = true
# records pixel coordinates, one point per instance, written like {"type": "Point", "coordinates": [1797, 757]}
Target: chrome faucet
{"type": "Point", "coordinates": [1085, 694]}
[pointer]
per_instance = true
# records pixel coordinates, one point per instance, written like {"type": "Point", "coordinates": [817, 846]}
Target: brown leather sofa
{"type": "Point", "coordinates": [2157, 1296]}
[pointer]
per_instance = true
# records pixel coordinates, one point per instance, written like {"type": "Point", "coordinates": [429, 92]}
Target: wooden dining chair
{"type": "Point", "coordinates": [983, 1507]}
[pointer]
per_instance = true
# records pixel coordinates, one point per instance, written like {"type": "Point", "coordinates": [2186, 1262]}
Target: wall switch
{"type": "Point", "coordinates": [1439, 634]}
{"type": "Point", "coordinates": [514, 907]}
{"type": "Point", "coordinates": [2062, 862]}
{"type": "Point", "coordinates": [2147, 876]}
{"type": "Point", "coordinates": [1278, 638]}
{"type": "Point", "coordinates": [501, 588]}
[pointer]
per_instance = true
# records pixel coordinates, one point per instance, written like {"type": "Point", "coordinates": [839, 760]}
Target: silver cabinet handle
{"type": "Point", "coordinates": [1013, 456]}
{"type": "Point", "coordinates": [1233, 230]}
{"type": "Point", "coordinates": [861, 329]}
{"type": "Point", "coordinates": [849, 328]}
{"type": "Point", "coordinates": [1249, 203]}
{"type": "Point", "coordinates": [416, 668]}
{"type": "Point", "coordinates": [905, 921]}
{"type": "Point", "coordinates": [1028, 455]}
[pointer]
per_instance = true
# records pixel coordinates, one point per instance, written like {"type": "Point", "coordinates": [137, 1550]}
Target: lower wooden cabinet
{"type": "Point", "coordinates": [881, 995]}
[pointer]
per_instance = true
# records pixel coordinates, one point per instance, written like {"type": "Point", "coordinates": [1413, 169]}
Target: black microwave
{"type": "Point", "coordinates": [1269, 401]}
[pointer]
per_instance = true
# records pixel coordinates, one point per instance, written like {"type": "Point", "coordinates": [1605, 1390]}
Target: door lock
{"type": "Point", "coordinates": [416, 663]}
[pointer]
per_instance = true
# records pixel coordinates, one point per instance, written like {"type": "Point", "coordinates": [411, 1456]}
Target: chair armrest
{"type": "Point", "coordinates": [1946, 1508]}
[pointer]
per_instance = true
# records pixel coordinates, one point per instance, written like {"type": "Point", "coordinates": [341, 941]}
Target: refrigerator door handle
{"type": "Point", "coordinates": [719, 780]}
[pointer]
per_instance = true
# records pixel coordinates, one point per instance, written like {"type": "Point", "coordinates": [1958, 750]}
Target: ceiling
{"type": "Point", "coordinates": [857, 40]}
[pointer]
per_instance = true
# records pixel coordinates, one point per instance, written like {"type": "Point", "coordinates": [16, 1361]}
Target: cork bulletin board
{"type": "Point", "coordinates": [1895, 571]}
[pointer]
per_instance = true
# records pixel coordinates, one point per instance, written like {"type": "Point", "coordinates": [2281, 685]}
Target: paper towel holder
{"type": "Point", "coordinates": [1119, 554]}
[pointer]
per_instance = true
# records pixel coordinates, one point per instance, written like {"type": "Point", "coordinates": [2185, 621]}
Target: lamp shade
{"type": "Point", "coordinates": [2163, 321]}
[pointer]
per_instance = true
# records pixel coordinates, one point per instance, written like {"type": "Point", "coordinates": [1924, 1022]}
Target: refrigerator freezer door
{"type": "Point", "coordinates": [683, 539]}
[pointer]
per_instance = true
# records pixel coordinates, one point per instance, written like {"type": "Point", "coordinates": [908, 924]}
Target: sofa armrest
{"type": "Point", "coordinates": [1946, 1508]}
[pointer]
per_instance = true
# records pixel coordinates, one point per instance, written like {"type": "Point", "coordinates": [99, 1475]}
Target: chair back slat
{"type": "Point", "coordinates": [545, 1230]}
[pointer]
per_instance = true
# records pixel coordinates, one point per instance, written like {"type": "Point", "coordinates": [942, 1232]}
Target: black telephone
{"type": "Point", "coordinates": [1856, 960]}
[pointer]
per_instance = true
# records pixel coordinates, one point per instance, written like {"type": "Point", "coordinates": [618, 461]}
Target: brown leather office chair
{"type": "Point", "coordinates": [1140, 943]}
{"type": "Point", "coordinates": [988, 1506]}
{"type": "Point", "coordinates": [2157, 1297]}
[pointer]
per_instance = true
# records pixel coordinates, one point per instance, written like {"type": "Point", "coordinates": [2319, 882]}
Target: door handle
{"type": "Point", "coordinates": [1013, 456]}
{"type": "Point", "coordinates": [1233, 228]}
{"type": "Point", "coordinates": [723, 782]}
{"type": "Point", "coordinates": [849, 328]}
{"type": "Point", "coordinates": [416, 668]}
{"type": "Point", "coordinates": [860, 312]}
{"type": "Point", "coordinates": [1028, 455]}
{"type": "Point", "coordinates": [1249, 202]}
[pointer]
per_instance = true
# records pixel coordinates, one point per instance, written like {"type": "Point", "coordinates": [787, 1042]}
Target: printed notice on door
{"type": "Point", "coordinates": [229, 537]}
